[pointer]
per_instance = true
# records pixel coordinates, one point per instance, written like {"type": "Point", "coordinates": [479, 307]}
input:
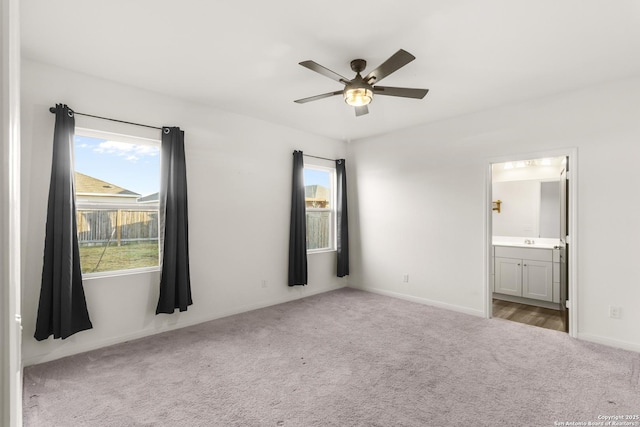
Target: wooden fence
{"type": "Point", "coordinates": [96, 226]}
{"type": "Point", "coordinates": [118, 226]}
{"type": "Point", "coordinates": [318, 229]}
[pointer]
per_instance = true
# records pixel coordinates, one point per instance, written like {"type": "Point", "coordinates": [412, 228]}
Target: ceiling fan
{"type": "Point", "coordinates": [359, 91]}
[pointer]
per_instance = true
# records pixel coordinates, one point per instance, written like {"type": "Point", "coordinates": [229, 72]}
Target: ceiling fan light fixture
{"type": "Point", "coordinates": [358, 96]}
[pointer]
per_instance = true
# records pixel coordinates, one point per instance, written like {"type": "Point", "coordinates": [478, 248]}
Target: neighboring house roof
{"type": "Point", "coordinates": [316, 192]}
{"type": "Point", "coordinates": [86, 184]}
{"type": "Point", "coordinates": [149, 198]}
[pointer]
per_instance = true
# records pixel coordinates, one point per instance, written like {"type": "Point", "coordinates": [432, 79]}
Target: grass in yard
{"type": "Point", "coordinates": [130, 255]}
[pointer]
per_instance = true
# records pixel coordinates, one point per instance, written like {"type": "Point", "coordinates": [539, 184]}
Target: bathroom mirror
{"type": "Point", "coordinates": [529, 209]}
{"type": "Point", "coordinates": [529, 192]}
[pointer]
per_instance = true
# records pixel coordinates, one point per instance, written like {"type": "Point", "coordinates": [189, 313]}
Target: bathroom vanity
{"type": "Point", "coordinates": [527, 273]}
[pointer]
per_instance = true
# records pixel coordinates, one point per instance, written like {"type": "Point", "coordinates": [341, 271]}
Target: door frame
{"type": "Point", "coordinates": [572, 154]}
{"type": "Point", "coordinates": [10, 253]}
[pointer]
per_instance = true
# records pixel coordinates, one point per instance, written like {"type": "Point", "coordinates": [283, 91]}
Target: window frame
{"type": "Point", "coordinates": [332, 206]}
{"type": "Point", "coordinates": [92, 205]}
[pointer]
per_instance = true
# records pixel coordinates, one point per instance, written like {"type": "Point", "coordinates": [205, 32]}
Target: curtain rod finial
{"type": "Point", "coordinates": [52, 109]}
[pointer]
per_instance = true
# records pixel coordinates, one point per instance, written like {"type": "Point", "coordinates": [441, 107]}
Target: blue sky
{"type": "Point", "coordinates": [313, 176]}
{"type": "Point", "coordinates": [134, 167]}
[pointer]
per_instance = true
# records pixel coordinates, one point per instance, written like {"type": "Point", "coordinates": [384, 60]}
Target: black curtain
{"type": "Point", "coordinates": [62, 310]}
{"type": "Point", "coordinates": [175, 282]}
{"type": "Point", "coordinates": [298, 228]}
{"type": "Point", "coordinates": [342, 242]}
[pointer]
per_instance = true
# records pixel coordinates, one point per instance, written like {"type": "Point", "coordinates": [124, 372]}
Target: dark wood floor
{"type": "Point", "coordinates": [529, 314]}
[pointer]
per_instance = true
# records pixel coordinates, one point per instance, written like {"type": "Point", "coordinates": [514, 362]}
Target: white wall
{"type": "Point", "coordinates": [417, 203]}
{"type": "Point", "coordinates": [550, 209]}
{"type": "Point", "coordinates": [239, 176]}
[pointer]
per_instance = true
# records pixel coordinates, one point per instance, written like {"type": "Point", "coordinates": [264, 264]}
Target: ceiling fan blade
{"type": "Point", "coordinates": [394, 63]}
{"type": "Point", "coordinates": [315, 98]}
{"type": "Point", "coordinates": [404, 92]}
{"type": "Point", "coordinates": [362, 110]}
{"type": "Point", "coordinates": [314, 66]}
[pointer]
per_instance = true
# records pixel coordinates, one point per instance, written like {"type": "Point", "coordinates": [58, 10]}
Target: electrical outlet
{"type": "Point", "coordinates": [615, 312]}
{"type": "Point", "coordinates": [264, 283]}
{"type": "Point", "coordinates": [405, 278]}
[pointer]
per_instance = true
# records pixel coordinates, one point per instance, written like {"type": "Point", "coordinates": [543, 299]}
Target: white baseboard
{"type": "Point", "coordinates": [303, 293]}
{"type": "Point", "coordinates": [64, 351]}
{"type": "Point", "coordinates": [610, 342]}
{"type": "Point", "coordinates": [425, 301]}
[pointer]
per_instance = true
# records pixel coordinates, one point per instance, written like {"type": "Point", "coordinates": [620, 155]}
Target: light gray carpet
{"type": "Point", "coordinates": [344, 358]}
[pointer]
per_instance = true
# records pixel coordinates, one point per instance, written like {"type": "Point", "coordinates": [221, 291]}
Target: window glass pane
{"type": "Point", "coordinates": [133, 167]}
{"type": "Point", "coordinates": [318, 229]}
{"type": "Point", "coordinates": [319, 210]}
{"type": "Point", "coordinates": [117, 186]}
{"type": "Point", "coordinates": [317, 185]}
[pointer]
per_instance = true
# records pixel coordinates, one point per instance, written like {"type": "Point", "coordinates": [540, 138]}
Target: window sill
{"type": "Point", "coordinates": [117, 273]}
{"type": "Point", "coordinates": [320, 251]}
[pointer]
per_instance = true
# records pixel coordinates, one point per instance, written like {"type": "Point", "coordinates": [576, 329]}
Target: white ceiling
{"type": "Point", "coordinates": [242, 56]}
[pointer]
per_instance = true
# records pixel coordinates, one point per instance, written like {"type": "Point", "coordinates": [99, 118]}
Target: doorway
{"type": "Point", "coordinates": [530, 222]}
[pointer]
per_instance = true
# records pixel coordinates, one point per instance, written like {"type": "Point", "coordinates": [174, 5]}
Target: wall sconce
{"type": "Point", "coordinates": [496, 205]}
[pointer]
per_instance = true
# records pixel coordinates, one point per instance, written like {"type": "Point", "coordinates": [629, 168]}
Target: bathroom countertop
{"type": "Point", "coordinates": [540, 243]}
{"type": "Point", "coordinates": [527, 245]}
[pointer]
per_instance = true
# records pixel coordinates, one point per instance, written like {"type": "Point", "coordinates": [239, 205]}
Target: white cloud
{"type": "Point", "coordinates": [131, 152]}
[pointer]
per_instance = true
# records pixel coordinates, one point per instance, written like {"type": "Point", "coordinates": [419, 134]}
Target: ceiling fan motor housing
{"type": "Point", "coordinates": [358, 65]}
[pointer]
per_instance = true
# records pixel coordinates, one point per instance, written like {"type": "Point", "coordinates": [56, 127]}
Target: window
{"type": "Point", "coordinates": [117, 185]}
{"type": "Point", "coordinates": [319, 184]}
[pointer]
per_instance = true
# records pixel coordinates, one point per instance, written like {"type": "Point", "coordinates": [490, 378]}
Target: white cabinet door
{"type": "Point", "coordinates": [537, 280]}
{"type": "Point", "coordinates": [508, 276]}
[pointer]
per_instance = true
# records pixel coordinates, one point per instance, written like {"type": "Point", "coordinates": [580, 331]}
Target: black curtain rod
{"type": "Point", "coordinates": [318, 157]}
{"type": "Point", "coordinates": [53, 110]}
